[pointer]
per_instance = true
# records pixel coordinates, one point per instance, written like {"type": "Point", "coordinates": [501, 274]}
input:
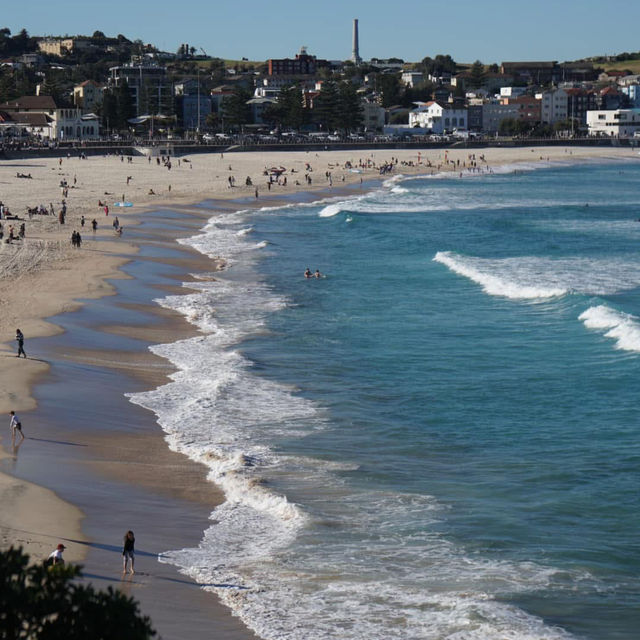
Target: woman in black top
{"type": "Point", "coordinates": [127, 551]}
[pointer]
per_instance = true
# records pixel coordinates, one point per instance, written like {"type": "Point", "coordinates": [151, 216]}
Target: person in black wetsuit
{"type": "Point", "coordinates": [127, 551]}
{"type": "Point", "coordinates": [20, 341]}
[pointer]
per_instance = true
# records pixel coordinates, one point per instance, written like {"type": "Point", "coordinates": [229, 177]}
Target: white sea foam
{"type": "Point", "coordinates": [330, 210]}
{"type": "Point", "coordinates": [322, 560]}
{"type": "Point", "coordinates": [382, 574]}
{"type": "Point", "coordinates": [530, 277]}
{"type": "Point", "coordinates": [621, 327]}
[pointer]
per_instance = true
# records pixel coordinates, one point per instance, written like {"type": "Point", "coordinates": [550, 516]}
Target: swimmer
{"type": "Point", "coordinates": [307, 273]}
{"type": "Point", "coordinates": [317, 274]}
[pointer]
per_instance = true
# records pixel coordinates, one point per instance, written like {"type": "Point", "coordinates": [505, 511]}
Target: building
{"type": "Point", "coordinates": [632, 91]}
{"type": "Point", "coordinates": [42, 116]}
{"type": "Point", "coordinates": [437, 117]}
{"type": "Point", "coordinates": [612, 76]}
{"type": "Point", "coordinates": [150, 88]}
{"type": "Point", "coordinates": [302, 64]}
{"type": "Point", "coordinates": [529, 108]}
{"type": "Point", "coordinates": [63, 46]}
{"type": "Point", "coordinates": [270, 86]}
{"type": "Point", "coordinates": [193, 103]}
{"type": "Point", "coordinates": [579, 102]}
{"type": "Point", "coordinates": [88, 95]}
{"type": "Point", "coordinates": [540, 73]}
{"type": "Point", "coordinates": [622, 123]}
{"type": "Point", "coordinates": [610, 98]}
{"type": "Point", "coordinates": [259, 107]}
{"type": "Point", "coordinates": [373, 115]}
{"type": "Point", "coordinates": [494, 112]}
{"type": "Point", "coordinates": [219, 95]}
{"type": "Point", "coordinates": [412, 78]}
{"type": "Point", "coordinates": [490, 81]}
{"type": "Point", "coordinates": [581, 71]}
{"type": "Point", "coordinates": [554, 106]}
{"type": "Point", "coordinates": [512, 92]}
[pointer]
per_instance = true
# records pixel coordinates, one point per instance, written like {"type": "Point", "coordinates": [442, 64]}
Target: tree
{"type": "Point", "coordinates": [42, 603]}
{"type": "Point", "coordinates": [109, 111]}
{"type": "Point", "coordinates": [290, 109]}
{"type": "Point", "coordinates": [125, 107]}
{"type": "Point", "coordinates": [477, 75]}
{"type": "Point", "coordinates": [438, 65]}
{"type": "Point", "coordinates": [350, 113]}
{"type": "Point", "coordinates": [235, 109]}
{"type": "Point", "coordinates": [326, 106]}
{"type": "Point", "coordinates": [388, 84]}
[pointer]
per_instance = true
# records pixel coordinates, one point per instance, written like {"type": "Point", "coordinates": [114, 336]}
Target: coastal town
{"type": "Point", "coordinates": [59, 90]}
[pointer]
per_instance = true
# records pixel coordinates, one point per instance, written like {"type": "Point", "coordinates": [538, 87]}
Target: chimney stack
{"type": "Point", "coordinates": [355, 53]}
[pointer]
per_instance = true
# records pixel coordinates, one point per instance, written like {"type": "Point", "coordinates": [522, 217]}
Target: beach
{"type": "Point", "coordinates": [93, 464]}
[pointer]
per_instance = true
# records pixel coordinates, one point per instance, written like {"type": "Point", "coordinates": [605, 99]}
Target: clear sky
{"type": "Point", "coordinates": [488, 30]}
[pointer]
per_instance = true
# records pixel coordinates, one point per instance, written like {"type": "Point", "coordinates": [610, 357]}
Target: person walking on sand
{"type": "Point", "coordinates": [16, 427]}
{"type": "Point", "coordinates": [20, 341]}
{"type": "Point", "coordinates": [55, 557]}
{"type": "Point", "coordinates": [127, 551]}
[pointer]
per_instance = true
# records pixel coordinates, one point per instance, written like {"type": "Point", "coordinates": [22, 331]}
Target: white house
{"type": "Point", "coordinates": [41, 115]}
{"type": "Point", "coordinates": [437, 117]}
{"type": "Point", "coordinates": [412, 78]}
{"type": "Point", "coordinates": [621, 123]}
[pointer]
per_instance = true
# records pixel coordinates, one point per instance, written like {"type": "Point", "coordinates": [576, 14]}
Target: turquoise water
{"type": "Point", "coordinates": [452, 413]}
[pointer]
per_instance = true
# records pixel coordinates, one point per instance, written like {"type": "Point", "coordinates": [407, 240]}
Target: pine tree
{"type": "Point", "coordinates": [327, 105]}
{"type": "Point", "coordinates": [350, 109]}
{"type": "Point", "coordinates": [235, 109]}
{"type": "Point", "coordinates": [125, 107]}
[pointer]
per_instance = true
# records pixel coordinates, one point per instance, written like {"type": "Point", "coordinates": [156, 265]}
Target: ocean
{"type": "Point", "coordinates": [439, 438]}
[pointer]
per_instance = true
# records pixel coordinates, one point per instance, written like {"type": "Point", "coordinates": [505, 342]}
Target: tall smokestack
{"type": "Point", "coordinates": [355, 53]}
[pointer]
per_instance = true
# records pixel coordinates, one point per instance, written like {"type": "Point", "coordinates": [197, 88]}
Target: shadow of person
{"type": "Point", "coordinates": [15, 447]}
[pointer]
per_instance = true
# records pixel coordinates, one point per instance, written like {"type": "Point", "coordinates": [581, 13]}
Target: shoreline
{"type": "Point", "coordinates": [89, 277]}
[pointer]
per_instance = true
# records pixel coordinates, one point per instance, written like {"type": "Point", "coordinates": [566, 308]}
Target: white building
{"type": "Point", "coordinates": [412, 78]}
{"type": "Point", "coordinates": [512, 92]}
{"type": "Point", "coordinates": [40, 115]}
{"type": "Point", "coordinates": [437, 118]}
{"type": "Point", "coordinates": [621, 123]}
{"type": "Point", "coordinates": [554, 106]}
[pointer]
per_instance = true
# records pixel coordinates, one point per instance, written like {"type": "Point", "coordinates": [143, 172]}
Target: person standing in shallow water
{"type": "Point", "coordinates": [127, 551]}
{"type": "Point", "coordinates": [20, 341]}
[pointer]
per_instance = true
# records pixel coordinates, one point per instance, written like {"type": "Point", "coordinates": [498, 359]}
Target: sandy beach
{"type": "Point", "coordinates": [93, 465]}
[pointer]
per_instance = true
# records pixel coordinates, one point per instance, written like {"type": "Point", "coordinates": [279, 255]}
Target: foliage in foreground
{"type": "Point", "coordinates": [43, 603]}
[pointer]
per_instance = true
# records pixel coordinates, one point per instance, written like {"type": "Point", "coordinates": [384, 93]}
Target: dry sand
{"type": "Point", "coordinates": [43, 275]}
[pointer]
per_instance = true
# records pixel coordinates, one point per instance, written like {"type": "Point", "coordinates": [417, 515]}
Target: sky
{"type": "Point", "coordinates": [486, 30]}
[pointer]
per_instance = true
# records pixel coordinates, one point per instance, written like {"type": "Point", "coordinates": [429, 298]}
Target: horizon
{"type": "Point", "coordinates": [572, 34]}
